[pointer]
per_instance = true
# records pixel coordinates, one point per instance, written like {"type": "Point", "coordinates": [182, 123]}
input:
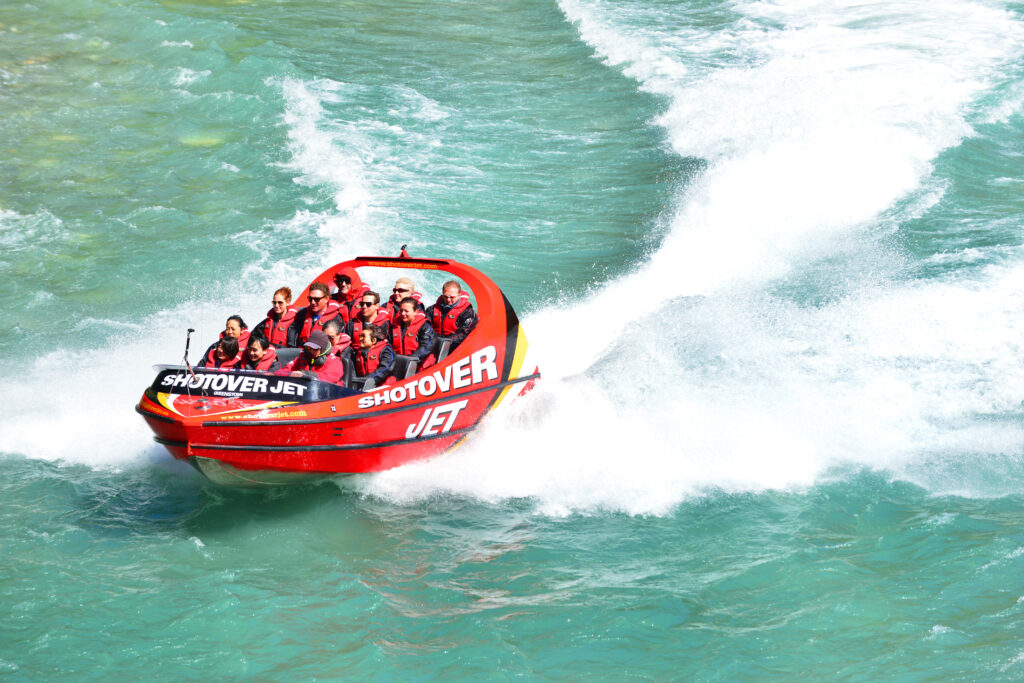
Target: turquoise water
{"type": "Point", "coordinates": [789, 442]}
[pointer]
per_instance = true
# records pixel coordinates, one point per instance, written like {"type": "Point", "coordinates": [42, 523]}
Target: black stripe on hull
{"type": "Point", "coordinates": [153, 416]}
{"type": "Point", "coordinates": [311, 447]}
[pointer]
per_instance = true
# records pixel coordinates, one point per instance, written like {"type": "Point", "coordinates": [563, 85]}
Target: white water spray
{"type": "Point", "coordinates": [705, 380]}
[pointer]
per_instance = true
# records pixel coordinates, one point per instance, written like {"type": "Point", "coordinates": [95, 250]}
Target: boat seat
{"type": "Point", "coordinates": [442, 346]}
{"type": "Point", "coordinates": [350, 368]}
{"type": "Point", "coordinates": [286, 355]}
{"type": "Point", "coordinates": [405, 367]}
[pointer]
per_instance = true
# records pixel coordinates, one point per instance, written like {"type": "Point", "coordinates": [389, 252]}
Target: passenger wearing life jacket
{"type": "Point", "coordinates": [316, 359]}
{"type": "Point", "coordinates": [411, 334]}
{"type": "Point", "coordinates": [312, 317]}
{"type": "Point", "coordinates": [260, 355]}
{"type": "Point", "coordinates": [370, 313]}
{"type": "Point", "coordinates": [347, 296]}
{"type": "Point", "coordinates": [373, 357]}
{"type": "Point", "coordinates": [340, 341]}
{"type": "Point", "coordinates": [277, 324]}
{"type": "Point", "coordinates": [404, 288]}
{"type": "Point", "coordinates": [235, 328]}
{"type": "Point", "coordinates": [223, 355]}
{"type": "Point", "coordinates": [452, 316]}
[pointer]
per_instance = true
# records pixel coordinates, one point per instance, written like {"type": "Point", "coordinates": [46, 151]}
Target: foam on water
{"type": "Point", "coordinates": [831, 128]}
{"type": "Point", "coordinates": [820, 131]}
{"type": "Point", "coordinates": [748, 393]}
{"type": "Point", "coordinates": [823, 138]}
{"type": "Point", "coordinates": [90, 420]}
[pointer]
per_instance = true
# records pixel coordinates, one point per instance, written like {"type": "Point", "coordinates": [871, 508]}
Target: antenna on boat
{"type": "Point", "coordinates": [404, 253]}
{"type": "Point", "coordinates": [188, 340]}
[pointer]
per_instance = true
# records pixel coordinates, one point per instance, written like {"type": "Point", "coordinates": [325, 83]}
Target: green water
{"type": "Point", "coordinates": [769, 258]}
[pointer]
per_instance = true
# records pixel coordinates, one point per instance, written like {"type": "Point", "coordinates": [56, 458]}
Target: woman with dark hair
{"type": "Point", "coordinates": [224, 355]}
{"type": "Point", "coordinates": [335, 331]}
{"type": "Point", "coordinates": [234, 328]}
{"type": "Point", "coordinates": [260, 355]}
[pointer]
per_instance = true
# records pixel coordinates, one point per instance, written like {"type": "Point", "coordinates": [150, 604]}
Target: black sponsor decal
{"type": "Point", "coordinates": [246, 385]}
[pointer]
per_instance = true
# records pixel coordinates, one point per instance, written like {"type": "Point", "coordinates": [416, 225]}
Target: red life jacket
{"type": "Point", "coordinates": [367, 360]}
{"type": "Point", "coordinates": [344, 313]}
{"type": "Point", "coordinates": [243, 340]}
{"type": "Point", "coordinates": [237, 361]}
{"type": "Point", "coordinates": [383, 316]}
{"type": "Point", "coordinates": [333, 310]}
{"type": "Point", "coordinates": [392, 304]}
{"type": "Point", "coordinates": [212, 362]}
{"type": "Point", "coordinates": [344, 342]}
{"type": "Point", "coordinates": [447, 324]}
{"type": "Point", "coordinates": [333, 370]}
{"type": "Point", "coordinates": [277, 332]}
{"type": "Point", "coordinates": [406, 341]}
{"type": "Point", "coordinates": [268, 359]}
{"type": "Point", "coordinates": [348, 301]}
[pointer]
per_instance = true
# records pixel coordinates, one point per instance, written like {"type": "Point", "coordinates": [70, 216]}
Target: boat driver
{"type": "Point", "coordinates": [316, 358]}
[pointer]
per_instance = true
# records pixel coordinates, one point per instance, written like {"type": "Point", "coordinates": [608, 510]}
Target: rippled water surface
{"type": "Point", "coordinates": [769, 255]}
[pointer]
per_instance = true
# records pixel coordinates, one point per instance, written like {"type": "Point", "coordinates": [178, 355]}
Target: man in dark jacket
{"type": "Point", "coordinates": [452, 317]}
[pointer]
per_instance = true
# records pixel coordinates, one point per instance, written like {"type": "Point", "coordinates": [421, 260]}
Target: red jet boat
{"type": "Point", "coordinates": [248, 428]}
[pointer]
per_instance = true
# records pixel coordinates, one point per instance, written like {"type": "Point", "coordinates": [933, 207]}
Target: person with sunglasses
{"type": "Point", "coordinates": [312, 318]}
{"type": "Point", "coordinates": [316, 360]}
{"type": "Point", "coordinates": [277, 326]}
{"type": "Point", "coordinates": [370, 313]}
{"type": "Point", "coordinates": [404, 288]}
{"type": "Point", "coordinates": [347, 295]}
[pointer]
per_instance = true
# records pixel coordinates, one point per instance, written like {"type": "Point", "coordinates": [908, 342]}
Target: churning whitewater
{"type": "Point", "coordinates": [819, 129]}
{"type": "Point", "coordinates": [820, 141]}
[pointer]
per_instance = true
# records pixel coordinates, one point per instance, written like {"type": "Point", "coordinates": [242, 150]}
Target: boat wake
{"type": "Point", "coordinates": [781, 331]}
{"type": "Point", "coordinates": [778, 333]}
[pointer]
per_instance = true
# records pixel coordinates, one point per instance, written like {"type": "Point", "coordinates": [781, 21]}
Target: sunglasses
{"type": "Point", "coordinates": [364, 304]}
{"type": "Point", "coordinates": [315, 299]}
{"type": "Point", "coordinates": [278, 302]}
{"type": "Point", "coordinates": [396, 290]}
